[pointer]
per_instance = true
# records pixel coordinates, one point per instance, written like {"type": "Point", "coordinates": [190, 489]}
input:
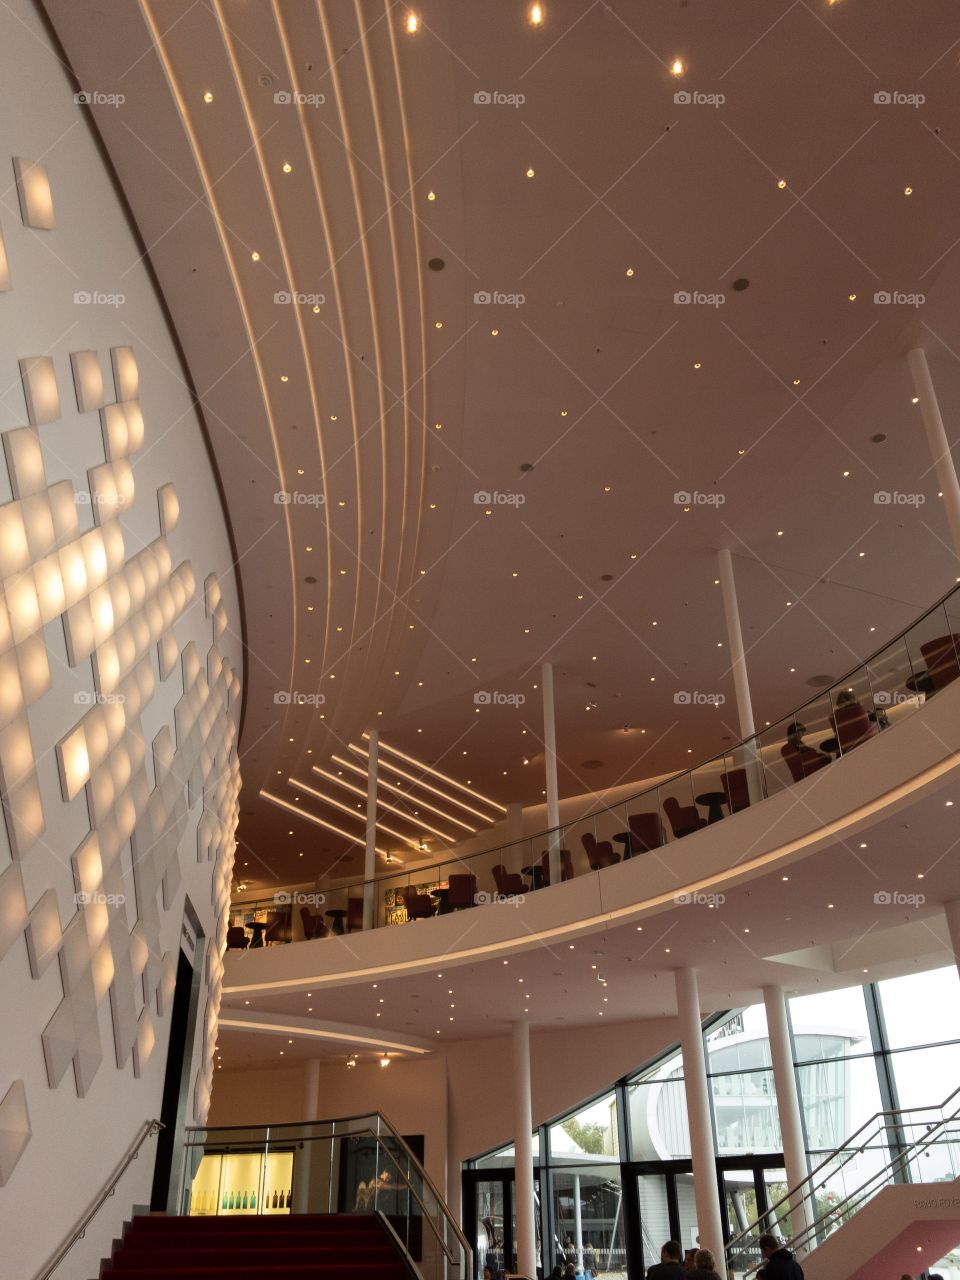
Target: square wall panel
{"type": "Point", "coordinates": [15, 1130]}
{"type": "Point", "coordinates": [13, 908]}
{"type": "Point", "coordinates": [24, 461]}
{"type": "Point", "coordinates": [169, 508]}
{"type": "Point", "coordinates": [126, 376]}
{"type": "Point", "coordinates": [43, 933]}
{"type": "Point", "coordinates": [36, 198]}
{"type": "Point", "coordinates": [4, 266]}
{"type": "Point", "coordinates": [40, 389]}
{"type": "Point", "coordinates": [87, 380]}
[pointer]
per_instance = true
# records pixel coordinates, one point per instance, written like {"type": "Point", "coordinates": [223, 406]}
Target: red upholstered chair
{"type": "Point", "coordinates": [354, 914]}
{"type": "Point", "coordinates": [802, 761]}
{"type": "Point", "coordinates": [313, 926]}
{"type": "Point", "coordinates": [854, 725]}
{"type": "Point", "coordinates": [237, 939]}
{"type": "Point", "coordinates": [509, 883]}
{"type": "Point", "coordinates": [684, 818]}
{"type": "Point", "coordinates": [735, 786]}
{"type": "Point", "coordinates": [419, 905]}
{"type": "Point", "coordinates": [462, 891]}
{"type": "Point", "coordinates": [566, 866]}
{"type": "Point", "coordinates": [646, 832]}
{"type": "Point", "coordinates": [600, 854]}
{"type": "Point", "coordinates": [940, 655]}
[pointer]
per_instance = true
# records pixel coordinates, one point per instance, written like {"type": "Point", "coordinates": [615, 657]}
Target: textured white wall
{"type": "Point", "coordinates": [107, 987]}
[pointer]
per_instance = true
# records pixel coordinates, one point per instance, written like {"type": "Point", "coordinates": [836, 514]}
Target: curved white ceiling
{"type": "Point", "coordinates": [390, 395]}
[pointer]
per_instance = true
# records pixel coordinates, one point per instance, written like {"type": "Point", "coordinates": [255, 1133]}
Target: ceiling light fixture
{"type": "Point", "coordinates": [536, 15]}
{"type": "Point", "coordinates": [677, 67]}
{"type": "Point", "coordinates": [208, 96]}
{"type": "Point", "coordinates": [412, 23]}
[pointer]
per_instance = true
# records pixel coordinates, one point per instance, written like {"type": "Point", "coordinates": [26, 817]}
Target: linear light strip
{"type": "Point", "coordinates": [451, 782]}
{"type": "Point", "coordinates": [320, 822]}
{"type": "Point", "coordinates": [394, 768]}
{"type": "Point", "coordinates": [314, 1033]}
{"type": "Point", "coordinates": [383, 804]}
{"type": "Point", "coordinates": [338, 804]}
{"type": "Point", "coordinates": [392, 786]}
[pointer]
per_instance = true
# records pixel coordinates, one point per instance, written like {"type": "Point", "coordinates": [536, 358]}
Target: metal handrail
{"type": "Point", "coordinates": [147, 1130]}
{"type": "Point", "coordinates": [381, 1119]}
{"type": "Point", "coordinates": [754, 741]}
{"type": "Point", "coordinates": [851, 1148]}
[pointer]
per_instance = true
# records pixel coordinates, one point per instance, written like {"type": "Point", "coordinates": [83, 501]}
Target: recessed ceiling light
{"type": "Point", "coordinates": [255, 256]}
{"type": "Point", "coordinates": [851, 297]}
{"type": "Point", "coordinates": [438, 324]}
{"type": "Point", "coordinates": [531, 173]}
{"type": "Point", "coordinates": [412, 23]}
{"type": "Point", "coordinates": [696, 364]}
{"type": "Point", "coordinates": [908, 191]}
{"type": "Point", "coordinates": [208, 96]}
{"type": "Point", "coordinates": [677, 67]}
{"type": "Point", "coordinates": [431, 195]}
{"type": "Point", "coordinates": [536, 15]}
{"type": "Point", "coordinates": [284, 378]}
{"type": "Point", "coordinates": [915, 400]}
{"type": "Point", "coordinates": [494, 333]}
{"type": "Point", "coordinates": [630, 271]}
{"type": "Point", "coordinates": [287, 167]}
{"type": "Point", "coordinates": [782, 183]}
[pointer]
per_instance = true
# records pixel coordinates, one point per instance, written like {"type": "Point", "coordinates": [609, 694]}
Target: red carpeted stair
{"type": "Point", "coordinates": [231, 1248]}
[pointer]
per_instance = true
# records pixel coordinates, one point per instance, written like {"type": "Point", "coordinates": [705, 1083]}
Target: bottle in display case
{"type": "Point", "coordinates": [289, 1196]}
{"type": "Point", "coordinates": [274, 1199]}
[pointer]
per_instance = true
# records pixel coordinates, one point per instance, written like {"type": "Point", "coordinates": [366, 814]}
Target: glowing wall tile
{"type": "Point", "coordinates": [63, 510]}
{"type": "Point", "coordinates": [43, 933]}
{"type": "Point", "coordinates": [24, 461]}
{"type": "Point", "coordinates": [11, 693]}
{"type": "Point", "coordinates": [33, 190]}
{"type": "Point", "coordinates": [4, 266]}
{"type": "Point", "coordinates": [88, 865]}
{"type": "Point", "coordinates": [116, 434]}
{"type": "Point", "coordinates": [73, 762]}
{"type": "Point", "coordinates": [211, 593]}
{"type": "Point", "coordinates": [135, 425]}
{"type": "Point", "coordinates": [87, 379]}
{"type": "Point", "coordinates": [126, 376]}
{"type": "Point", "coordinates": [15, 1130]}
{"type": "Point", "coordinates": [21, 794]}
{"type": "Point", "coordinates": [14, 551]}
{"type": "Point", "coordinates": [34, 666]}
{"type": "Point", "coordinates": [23, 604]}
{"type": "Point", "coordinates": [48, 579]}
{"type": "Point", "coordinates": [13, 908]}
{"type": "Point", "coordinates": [169, 651]}
{"type": "Point", "coordinates": [40, 389]}
{"type": "Point", "coordinates": [169, 508]}
{"type": "Point", "coordinates": [111, 489]}
{"type": "Point", "coordinates": [38, 522]}
{"type": "Point", "coordinates": [59, 1040]}
{"type": "Point", "coordinates": [146, 1039]}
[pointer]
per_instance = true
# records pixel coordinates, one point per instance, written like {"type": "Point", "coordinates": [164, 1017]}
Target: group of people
{"type": "Point", "coordinates": [778, 1262]}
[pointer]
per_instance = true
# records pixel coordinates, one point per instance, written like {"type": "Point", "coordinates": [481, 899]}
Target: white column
{"type": "Point", "coordinates": [947, 481]}
{"type": "Point", "coordinates": [526, 1240]}
{"type": "Point", "coordinates": [577, 1223]}
{"type": "Point", "coordinates": [550, 766]}
{"type": "Point", "coordinates": [703, 1154]}
{"type": "Point", "coordinates": [738, 662]}
{"type": "Point", "coordinates": [788, 1105]}
{"type": "Point", "coordinates": [952, 911]}
{"type": "Point", "coordinates": [370, 856]}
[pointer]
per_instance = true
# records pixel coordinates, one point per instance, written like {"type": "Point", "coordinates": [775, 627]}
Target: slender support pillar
{"type": "Point", "coordinates": [526, 1240]}
{"type": "Point", "coordinates": [577, 1223]}
{"type": "Point", "coordinates": [947, 481]}
{"type": "Point", "coordinates": [788, 1106]}
{"type": "Point", "coordinates": [952, 912]}
{"type": "Point", "coordinates": [550, 766]}
{"type": "Point", "coordinates": [741, 684]}
{"type": "Point", "coordinates": [702, 1151]}
{"type": "Point", "coordinates": [370, 856]}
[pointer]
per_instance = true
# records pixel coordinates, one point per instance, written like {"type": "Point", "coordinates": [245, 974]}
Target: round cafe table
{"type": "Point", "coordinates": [258, 928]}
{"type": "Point", "coordinates": [713, 802]}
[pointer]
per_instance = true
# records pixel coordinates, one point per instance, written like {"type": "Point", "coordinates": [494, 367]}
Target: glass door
{"type": "Point", "coordinates": [656, 1220]}
{"type": "Point", "coordinates": [493, 1226]}
{"type": "Point", "coordinates": [741, 1205]}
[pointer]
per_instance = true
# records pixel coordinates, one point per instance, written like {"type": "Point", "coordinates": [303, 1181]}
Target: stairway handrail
{"type": "Point", "coordinates": [146, 1130]}
{"type": "Point", "coordinates": [851, 1148]}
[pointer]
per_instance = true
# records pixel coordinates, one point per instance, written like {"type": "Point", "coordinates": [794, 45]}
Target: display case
{"type": "Point", "coordinates": [240, 1182]}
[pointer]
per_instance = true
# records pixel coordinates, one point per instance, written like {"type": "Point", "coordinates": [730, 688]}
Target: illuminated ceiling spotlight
{"type": "Point", "coordinates": [411, 23]}
{"type": "Point", "coordinates": [677, 67]}
{"type": "Point", "coordinates": [385, 1060]}
{"type": "Point", "coordinates": [536, 15]}
{"type": "Point", "coordinates": [352, 1060]}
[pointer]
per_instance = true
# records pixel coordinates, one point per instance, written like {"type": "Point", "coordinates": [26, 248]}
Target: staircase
{"type": "Point", "coordinates": [232, 1248]}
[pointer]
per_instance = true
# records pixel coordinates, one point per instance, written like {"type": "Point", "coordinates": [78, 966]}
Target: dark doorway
{"type": "Point", "coordinates": [176, 1081]}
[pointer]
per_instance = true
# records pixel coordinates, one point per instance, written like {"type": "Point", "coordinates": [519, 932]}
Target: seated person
{"type": "Point", "coordinates": [669, 1267]}
{"type": "Point", "coordinates": [802, 758]}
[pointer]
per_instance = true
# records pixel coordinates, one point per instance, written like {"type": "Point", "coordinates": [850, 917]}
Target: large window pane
{"type": "Point", "coordinates": [592, 1131]}
{"type": "Point", "coordinates": [830, 1024]}
{"type": "Point", "coordinates": [837, 1097]}
{"type": "Point", "coordinates": [658, 1120]}
{"type": "Point", "coordinates": [921, 1008]}
{"type": "Point", "coordinates": [504, 1157]}
{"type": "Point", "coordinates": [598, 1245]}
{"type": "Point", "coordinates": [926, 1077]}
{"type": "Point", "coordinates": [745, 1107]}
{"type": "Point", "coordinates": [740, 1042]}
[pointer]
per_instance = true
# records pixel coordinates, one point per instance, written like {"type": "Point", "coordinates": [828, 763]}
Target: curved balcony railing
{"type": "Point", "coordinates": [890, 685]}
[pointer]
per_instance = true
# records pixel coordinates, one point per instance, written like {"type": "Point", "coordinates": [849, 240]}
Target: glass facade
{"type": "Point", "coordinates": [615, 1174]}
